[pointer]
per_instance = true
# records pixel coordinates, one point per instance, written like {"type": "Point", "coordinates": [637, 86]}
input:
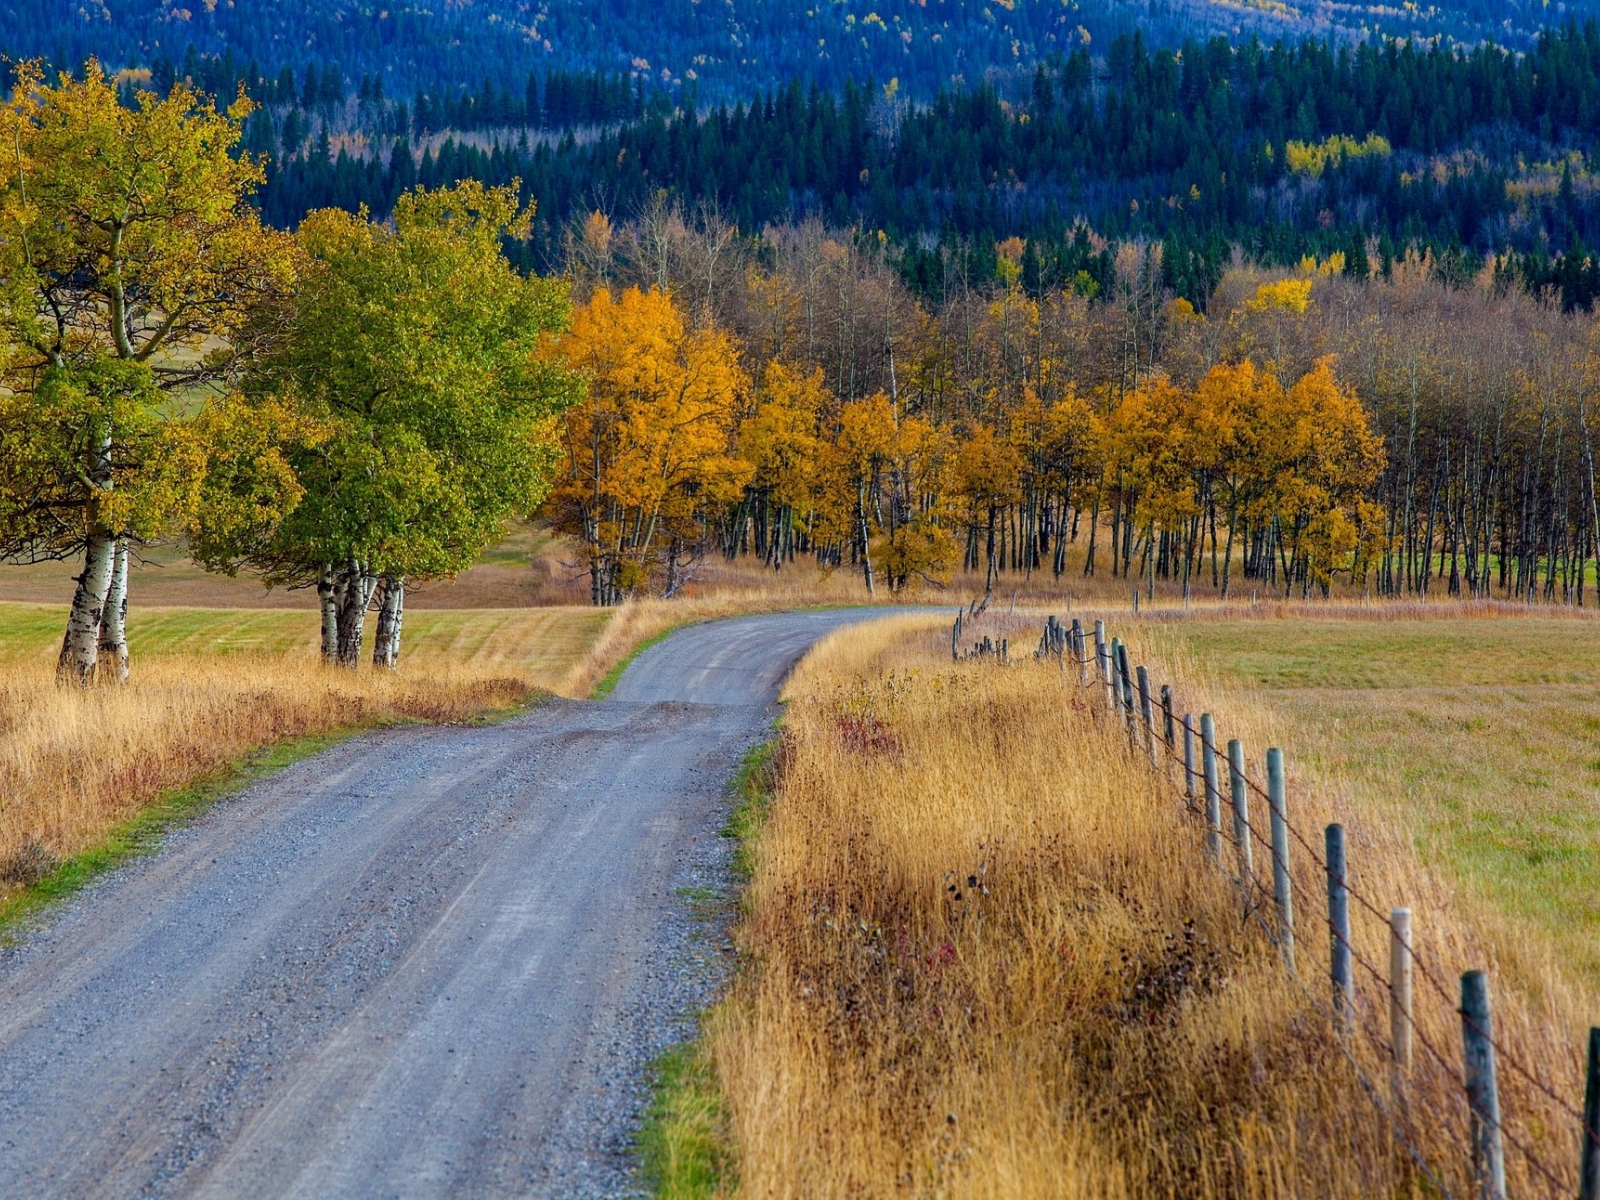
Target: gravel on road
{"type": "Point", "coordinates": [433, 961]}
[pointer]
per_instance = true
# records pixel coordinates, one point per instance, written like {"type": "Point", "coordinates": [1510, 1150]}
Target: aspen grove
{"type": "Point", "coordinates": [1398, 434]}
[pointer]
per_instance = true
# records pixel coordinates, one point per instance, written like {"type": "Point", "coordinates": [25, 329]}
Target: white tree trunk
{"type": "Point", "coordinates": [80, 648]}
{"type": "Point", "coordinates": [113, 663]}
{"type": "Point", "coordinates": [328, 598]}
{"type": "Point", "coordinates": [391, 612]}
{"type": "Point", "coordinates": [358, 587]}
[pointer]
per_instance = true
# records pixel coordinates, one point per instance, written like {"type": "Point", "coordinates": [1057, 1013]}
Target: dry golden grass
{"type": "Point", "coordinates": [990, 959]}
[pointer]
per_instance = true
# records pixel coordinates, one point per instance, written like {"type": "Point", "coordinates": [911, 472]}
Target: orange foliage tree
{"type": "Point", "coordinates": [651, 447]}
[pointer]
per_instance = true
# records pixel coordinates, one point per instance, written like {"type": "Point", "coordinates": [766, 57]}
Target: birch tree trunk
{"type": "Point", "coordinates": [113, 660]}
{"type": "Point", "coordinates": [81, 647]}
{"type": "Point", "coordinates": [358, 588]}
{"type": "Point", "coordinates": [328, 599]}
{"type": "Point", "coordinates": [391, 611]}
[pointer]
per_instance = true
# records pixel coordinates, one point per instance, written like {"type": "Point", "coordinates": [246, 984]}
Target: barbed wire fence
{"type": "Point", "coordinates": [1444, 1109]}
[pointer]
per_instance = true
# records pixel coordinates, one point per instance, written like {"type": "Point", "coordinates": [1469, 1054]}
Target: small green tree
{"type": "Point", "coordinates": [415, 349]}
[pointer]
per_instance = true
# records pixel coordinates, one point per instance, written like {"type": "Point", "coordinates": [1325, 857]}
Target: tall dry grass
{"type": "Point", "coordinates": [75, 764]}
{"type": "Point", "coordinates": [991, 960]}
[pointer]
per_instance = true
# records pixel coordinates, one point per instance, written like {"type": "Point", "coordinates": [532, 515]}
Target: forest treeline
{"type": "Point", "coordinates": [792, 400]}
{"type": "Point", "coordinates": [1285, 151]}
{"type": "Point", "coordinates": [360, 404]}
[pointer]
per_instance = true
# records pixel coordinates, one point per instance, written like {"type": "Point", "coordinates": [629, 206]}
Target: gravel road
{"type": "Point", "coordinates": [428, 962]}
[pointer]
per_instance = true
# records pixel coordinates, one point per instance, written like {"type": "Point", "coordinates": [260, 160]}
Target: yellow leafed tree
{"type": "Point", "coordinates": [651, 447]}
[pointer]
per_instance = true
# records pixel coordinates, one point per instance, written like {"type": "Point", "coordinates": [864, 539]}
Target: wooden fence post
{"type": "Point", "coordinates": [1240, 794]}
{"type": "Point", "coordinates": [1136, 602]}
{"type": "Point", "coordinates": [1339, 927]}
{"type": "Point", "coordinates": [1400, 1006]}
{"type": "Point", "coordinates": [1147, 715]}
{"type": "Point", "coordinates": [1102, 661]}
{"type": "Point", "coordinates": [1077, 652]}
{"type": "Point", "coordinates": [1589, 1160]}
{"type": "Point", "coordinates": [1125, 680]}
{"type": "Point", "coordinates": [1483, 1095]}
{"type": "Point", "coordinates": [1167, 733]}
{"type": "Point", "coordinates": [1188, 759]}
{"type": "Point", "coordinates": [1282, 885]}
{"type": "Point", "coordinates": [955, 639]}
{"type": "Point", "coordinates": [1208, 767]}
{"type": "Point", "coordinates": [1116, 676]}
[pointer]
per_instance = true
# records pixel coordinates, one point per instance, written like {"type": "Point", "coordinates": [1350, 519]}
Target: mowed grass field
{"type": "Point", "coordinates": [1481, 734]}
{"type": "Point", "coordinates": [543, 644]}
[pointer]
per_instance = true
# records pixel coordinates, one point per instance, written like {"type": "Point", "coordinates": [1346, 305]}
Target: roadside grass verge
{"type": "Point", "coordinates": [609, 684]}
{"type": "Point", "coordinates": [989, 958]}
{"type": "Point", "coordinates": [143, 834]}
{"type": "Point", "coordinates": [685, 1147]}
{"type": "Point", "coordinates": [79, 767]}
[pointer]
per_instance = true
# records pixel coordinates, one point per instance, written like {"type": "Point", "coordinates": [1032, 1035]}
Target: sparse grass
{"type": "Point", "coordinates": [1480, 735]}
{"type": "Point", "coordinates": [991, 960]}
{"type": "Point", "coordinates": [683, 1147]}
{"type": "Point", "coordinates": [546, 644]}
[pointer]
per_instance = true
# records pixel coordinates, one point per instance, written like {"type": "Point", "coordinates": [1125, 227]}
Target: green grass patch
{"type": "Point", "coordinates": [752, 791]}
{"type": "Point", "coordinates": [143, 834]}
{"type": "Point", "coordinates": [684, 1147]}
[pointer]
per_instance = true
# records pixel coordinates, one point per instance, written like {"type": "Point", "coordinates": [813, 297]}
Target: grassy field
{"type": "Point", "coordinates": [543, 643]}
{"type": "Point", "coordinates": [1482, 736]}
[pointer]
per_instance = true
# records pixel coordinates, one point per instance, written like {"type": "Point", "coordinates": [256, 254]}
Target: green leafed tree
{"type": "Point", "coordinates": [130, 259]}
{"type": "Point", "coordinates": [415, 350]}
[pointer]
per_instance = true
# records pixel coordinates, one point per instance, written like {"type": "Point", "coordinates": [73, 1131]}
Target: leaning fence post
{"type": "Point", "coordinates": [1208, 765]}
{"type": "Point", "coordinates": [1339, 927]}
{"type": "Point", "coordinates": [1400, 973]}
{"type": "Point", "coordinates": [1188, 759]}
{"type": "Point", "coordinates": [1166, 717]}
{"type": "Point", "coordinates": [1589, 1160]}
{"type": "Point", "coordinates": [1241, 815]}
{"type": "Point", "coordinates": [1147, 714]}
{"type": "Point", "coordinates": [1483, 1096]}
{"type": "Point", "coordinates": [1282, 887]}
{"type": "Point", "coordinates": [1125, 676]}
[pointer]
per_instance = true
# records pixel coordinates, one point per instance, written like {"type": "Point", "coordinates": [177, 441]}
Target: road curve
{"type": "Point", "coordinates": [428, 962]}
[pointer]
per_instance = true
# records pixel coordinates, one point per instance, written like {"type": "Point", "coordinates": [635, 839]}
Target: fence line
{"type": "Point", "coordinates": [1106, 664]}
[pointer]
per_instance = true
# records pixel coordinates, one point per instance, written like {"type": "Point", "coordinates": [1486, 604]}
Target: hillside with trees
{"type": "Point", "coordinates": [730, 50]}
{"type": "Point", "coordinates": [1278, 152]}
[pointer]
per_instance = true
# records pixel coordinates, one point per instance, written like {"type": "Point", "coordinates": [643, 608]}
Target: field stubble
{"type": "Point", "coordinates": [990, 959]}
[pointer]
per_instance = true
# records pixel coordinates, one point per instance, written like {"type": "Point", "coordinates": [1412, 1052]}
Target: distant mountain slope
{"type": "Point", "coordinates": [726, 47]}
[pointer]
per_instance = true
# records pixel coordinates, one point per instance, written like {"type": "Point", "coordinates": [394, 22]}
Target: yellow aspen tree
{"type": "Point", "coordinates": [651, 447]}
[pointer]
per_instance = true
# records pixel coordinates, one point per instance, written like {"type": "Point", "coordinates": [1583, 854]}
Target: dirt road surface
{"type": "Point", "coordinates": [428, 962]}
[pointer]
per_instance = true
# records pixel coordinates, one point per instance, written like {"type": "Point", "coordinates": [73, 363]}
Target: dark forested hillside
{"type": "Point", "coordinates": [731, 48]}
{"type": "Point", "coordinates": [1346, 154]}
